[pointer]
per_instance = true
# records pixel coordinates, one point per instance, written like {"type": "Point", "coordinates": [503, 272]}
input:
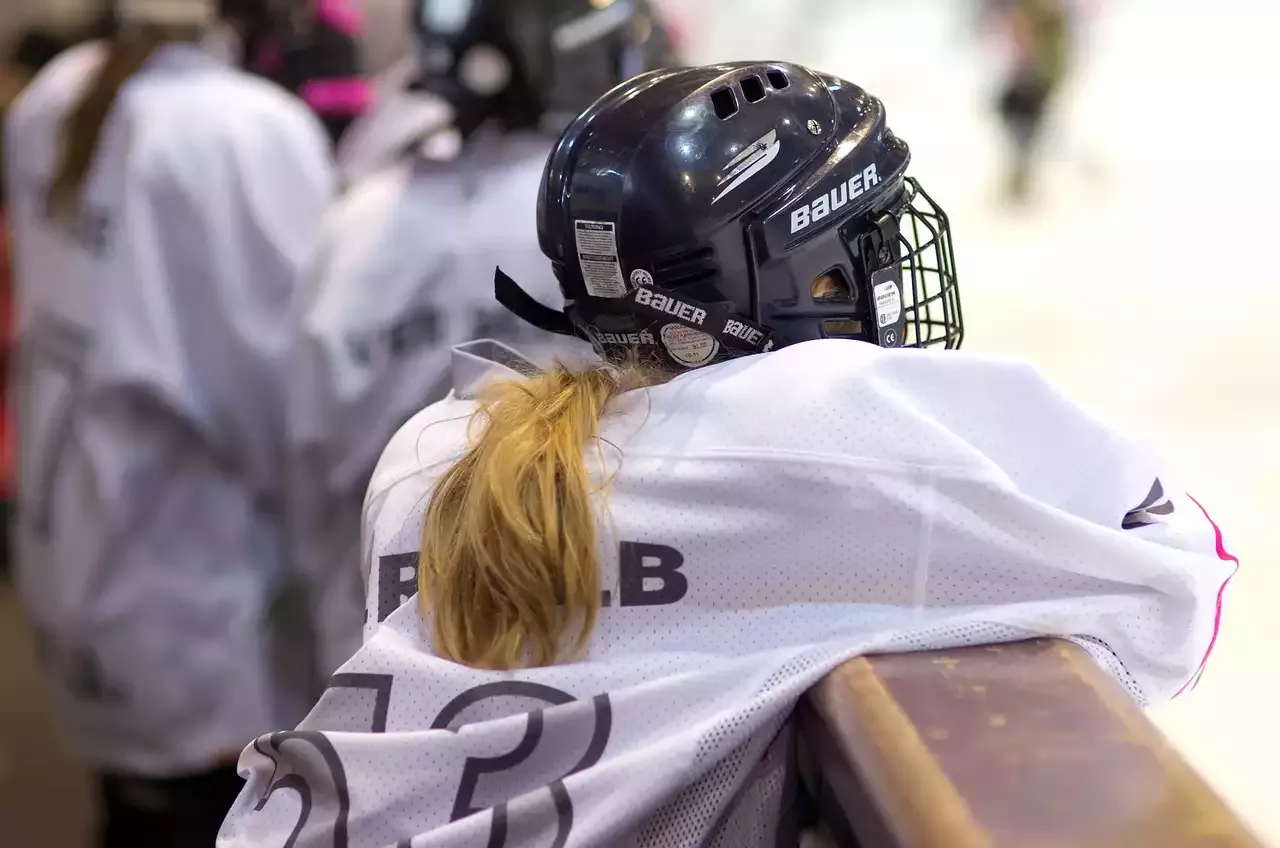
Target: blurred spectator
{"type": "Point", "coordinates": [6, 339]}
{"type": "Point", "coordinates": [163, 206]}
{"type": "Point", "coordinates": [33, 50]}
{"type": "Point", "coordinates": [312, 48]}
{"type": "Point", "coordinates": [1039, 33]}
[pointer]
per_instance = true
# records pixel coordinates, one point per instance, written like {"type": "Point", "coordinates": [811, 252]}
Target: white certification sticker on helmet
{"type": "Point", "coordinates": [888, 303]}
{"type": "Point", "coordinates": [641, 277]}
{"type": "Point", "coordinates": [598, 257]}
{"type": "Point", "coordinates": [687, 346]}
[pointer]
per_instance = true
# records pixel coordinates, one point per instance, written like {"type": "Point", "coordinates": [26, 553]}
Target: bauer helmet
{"type": "Point", "coordinates": [698, 214]}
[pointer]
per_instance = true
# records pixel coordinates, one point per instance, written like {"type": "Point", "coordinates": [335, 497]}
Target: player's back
{"type": "Point", "coordinates": [823, 471]}
{"type": "Point", "coordinates": [767, 518]}
{"type": "Point", "coordinates": [153, 333]}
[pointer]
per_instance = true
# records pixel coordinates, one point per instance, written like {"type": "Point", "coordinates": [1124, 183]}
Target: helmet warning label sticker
{"type": "Point", "coordinates": [598, 256]}
{"type": "Point", "coordinates": [888, 303]}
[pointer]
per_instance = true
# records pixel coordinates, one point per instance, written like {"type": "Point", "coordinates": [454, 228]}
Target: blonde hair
{"type": "Point", "coordinates": [82, 128]}
{"type": "Point", "coordinates": [508, 569]}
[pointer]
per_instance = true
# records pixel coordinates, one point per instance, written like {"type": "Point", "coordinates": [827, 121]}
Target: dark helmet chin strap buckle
{"type": "Point", "coordinates": [524, 306]}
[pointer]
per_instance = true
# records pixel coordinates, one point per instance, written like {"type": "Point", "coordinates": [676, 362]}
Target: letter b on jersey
{"type": "Point", "coordinates": [649, 575]}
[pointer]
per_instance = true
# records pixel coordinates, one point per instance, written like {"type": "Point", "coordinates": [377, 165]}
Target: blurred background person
{"type": "Point", "coordinates": [444, 177]}
{"type": "Point", "coordinates": [312, 48]}
{"type": "Point", "coordinates": [32, 51]}
{"type": "Point", "coordinates": [1039, 38]}
{"type": "Point", "coordinates": [163, 206]}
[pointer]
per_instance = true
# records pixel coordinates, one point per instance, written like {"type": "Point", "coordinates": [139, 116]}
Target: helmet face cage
{"type": "Point", "coordinates": [930, 292]}
{"type": "Point", "coordinates": [885, 276]}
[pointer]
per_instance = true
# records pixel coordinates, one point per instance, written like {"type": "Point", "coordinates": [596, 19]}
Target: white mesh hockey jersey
{"type": "Point", "coordinates": [404, 273]}
{"type": "Point", "coordinates": [769, 518]}
{"type": "Point", "coordinates": [153, 339]}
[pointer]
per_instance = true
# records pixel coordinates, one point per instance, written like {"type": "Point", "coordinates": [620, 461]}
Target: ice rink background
{"type": "Point", "coordinates": [1144, 277]}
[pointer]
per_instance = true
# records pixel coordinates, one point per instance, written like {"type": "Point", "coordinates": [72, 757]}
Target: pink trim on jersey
{"type": "Point", "coordinates": [338, 95]}
{"type": "Point", "coordinates": [341, 16]}
{"type": "Point", "coordinates": [1217, 615]}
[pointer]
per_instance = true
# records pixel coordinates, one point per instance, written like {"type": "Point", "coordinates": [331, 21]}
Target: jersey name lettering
{"type": "Point", "coordinates": [648, 575]}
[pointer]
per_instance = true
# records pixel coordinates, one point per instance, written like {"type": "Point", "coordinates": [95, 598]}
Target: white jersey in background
{"type": "Point", "coordinates": [154, 338]}
{"type": "Point", "coordinates": [405, 272]}
{"type": "Point", "coordinates": [769, 518]}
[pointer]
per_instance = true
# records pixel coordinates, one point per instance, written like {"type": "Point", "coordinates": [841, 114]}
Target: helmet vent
{"type": "Point", "coordinates": [777, 79]}
{"type": "Point", "coordinates": [752, 88]}
{"type": "Point", "coordinates": [725, 103]}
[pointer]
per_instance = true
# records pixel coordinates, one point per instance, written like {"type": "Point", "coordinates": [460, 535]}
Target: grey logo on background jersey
{"type": "Point", "coordinates": [750, 161]}
{"type": "Point", "coordinates": [52, 355]}
{"type": "Point", "coordinates": [561, 739]}
{"type": "Point", "coordinates": [92, 227]}
{"type": "Point", "coordinates": [409, 333]}
{"type": "Point", "coordinates": [81, 671]}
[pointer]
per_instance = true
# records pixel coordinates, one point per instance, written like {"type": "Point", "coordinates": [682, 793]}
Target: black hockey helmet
{"type": "Point", "coordinates": [518, 60]}
{"type": "Point", "coordinates": [704, 213]}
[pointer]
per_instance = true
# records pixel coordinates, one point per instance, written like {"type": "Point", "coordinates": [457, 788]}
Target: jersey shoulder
{"type": "Point", "coordinates": [54, 89]}
{"type": "Point", "coordinates": [426, 444]}
{"type": "Point", "coordinates": [420, 452]}
{"type": "Point", "coordinates": [846, 400]}
{"type": "Point", "coordinates": [201, 98]}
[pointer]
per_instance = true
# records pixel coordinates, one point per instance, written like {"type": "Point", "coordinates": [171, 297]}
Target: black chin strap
{"type": "Point", "coordinates": [517, 300]}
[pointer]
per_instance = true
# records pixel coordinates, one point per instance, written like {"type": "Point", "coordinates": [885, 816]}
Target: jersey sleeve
{"type": "Point", "coordinates": [1083, 493]}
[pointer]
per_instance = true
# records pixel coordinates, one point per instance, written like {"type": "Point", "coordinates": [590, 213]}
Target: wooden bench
{"type": "Point", "coordinates": [1023, 745]}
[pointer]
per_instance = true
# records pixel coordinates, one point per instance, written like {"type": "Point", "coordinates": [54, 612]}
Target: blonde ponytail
{"type": "Point", "coordinates": [508, 568]}
{"type": "Point", "coordinates": [83, 127]}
